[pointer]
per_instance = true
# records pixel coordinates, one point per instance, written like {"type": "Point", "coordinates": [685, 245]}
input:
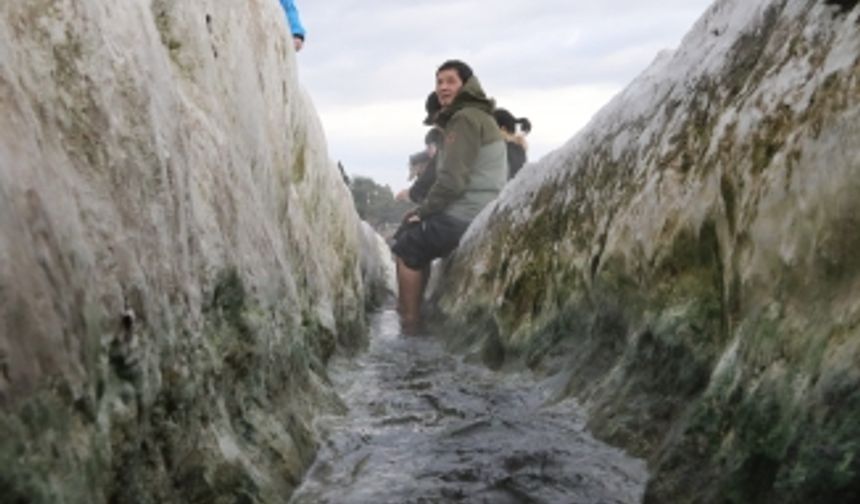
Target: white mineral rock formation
{"type": "Point", "coordinates": [178, 255]}
{"type": "Point", "coordinates": [691, 259]}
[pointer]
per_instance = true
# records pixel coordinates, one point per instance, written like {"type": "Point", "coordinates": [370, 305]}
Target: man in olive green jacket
{"type": "Point", "coordinates": [471, 171]}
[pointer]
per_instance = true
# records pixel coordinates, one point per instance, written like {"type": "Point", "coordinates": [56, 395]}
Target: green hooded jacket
{"type": "Point", "coordinates": [472, 166]}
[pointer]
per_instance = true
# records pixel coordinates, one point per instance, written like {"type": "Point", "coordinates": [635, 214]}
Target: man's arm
{"type": "Point", "coordinates": [462, 144]}
{"type": "Point", "coordinates": [295, 21]}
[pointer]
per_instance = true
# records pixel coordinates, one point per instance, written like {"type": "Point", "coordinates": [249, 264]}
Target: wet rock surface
{"type": "Point", "coordinates": [692, 252]}
{"type": "Point", "coordinates": [178, 254]}
{"type": "Point", "coordinates": [424, 426]}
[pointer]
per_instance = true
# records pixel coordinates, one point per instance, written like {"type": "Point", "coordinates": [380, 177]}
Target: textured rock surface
{"type": "Point", "coordinates": [178, 256]}
{"type": "Point", "coordinates": [377, 268]}
{"type": "Point", "coordinates": [690, 259]}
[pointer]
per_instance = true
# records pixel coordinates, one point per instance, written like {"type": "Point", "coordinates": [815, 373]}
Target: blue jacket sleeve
{"type": "Point", "coordinates": [293, 18]}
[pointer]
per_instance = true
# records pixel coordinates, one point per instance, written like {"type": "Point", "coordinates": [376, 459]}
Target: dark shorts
{"type": "Point", "coordinates": [418, 243]}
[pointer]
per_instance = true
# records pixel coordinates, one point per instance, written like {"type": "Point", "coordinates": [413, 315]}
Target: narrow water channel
{"type": "Point", "coordinates": [425, 427]}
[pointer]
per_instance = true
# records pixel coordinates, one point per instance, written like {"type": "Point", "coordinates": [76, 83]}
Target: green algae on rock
{"type": "Point", "coordinates": [687, 261]}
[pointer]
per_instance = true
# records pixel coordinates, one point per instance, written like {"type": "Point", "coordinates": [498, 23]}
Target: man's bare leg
{"type": "Point", "coordinates": [410, 283]}
{"type": "Point", "coordinates": [397, 268]}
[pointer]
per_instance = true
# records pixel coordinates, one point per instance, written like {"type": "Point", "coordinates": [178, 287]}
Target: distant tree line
{"type": "Point", "coordinates": [375, 204]}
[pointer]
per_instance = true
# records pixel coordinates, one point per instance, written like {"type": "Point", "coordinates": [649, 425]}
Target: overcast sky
{"type": "Point", "coordinates": [368, 65]}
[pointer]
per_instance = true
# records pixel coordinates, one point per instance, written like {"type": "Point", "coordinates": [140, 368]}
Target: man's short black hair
{"type": "Point", "coordinates": [463, 70]}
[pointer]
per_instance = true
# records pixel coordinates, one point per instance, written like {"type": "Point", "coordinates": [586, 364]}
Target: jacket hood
{"type": "Point", "coordinates": [471, 95]}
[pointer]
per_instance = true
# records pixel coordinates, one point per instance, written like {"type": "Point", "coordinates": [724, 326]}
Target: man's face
{"type": "Point", "coordinates": [448, 84]}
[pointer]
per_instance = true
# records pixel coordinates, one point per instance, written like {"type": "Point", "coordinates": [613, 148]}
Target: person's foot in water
{"type": "Point", "coordinates": [410, 327]}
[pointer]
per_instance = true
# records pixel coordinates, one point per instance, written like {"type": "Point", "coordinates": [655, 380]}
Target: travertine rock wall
{"type": "Point", "coordinates": [377, 267]}
{"type": "Point", "coordinates": [178, 255]}
{"type": "Point", "coordinates": [690, 260]}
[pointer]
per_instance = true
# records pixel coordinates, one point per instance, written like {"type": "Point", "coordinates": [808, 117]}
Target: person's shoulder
{"type": "Point", "coordinates": [473, 116]}
{"type": "Point", "coordinates": [515, 148]}
{"type": "Point", "coordinates": [517, 141]}
{"type": "Point", "coordinates": [460, 118]}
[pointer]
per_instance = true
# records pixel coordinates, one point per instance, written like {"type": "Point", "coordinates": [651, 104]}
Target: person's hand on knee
{"type": "Point", "coordinates": [411, 216]}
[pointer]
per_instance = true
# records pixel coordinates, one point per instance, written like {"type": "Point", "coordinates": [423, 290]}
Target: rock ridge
{"type": "Point", "coordinates": [687, 260]}
{"type": "Point", "coordinates": [178, 255]}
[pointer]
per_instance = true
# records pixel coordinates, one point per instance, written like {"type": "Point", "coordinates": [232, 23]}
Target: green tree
{"type": "Point", "coordinates": [375, 204]}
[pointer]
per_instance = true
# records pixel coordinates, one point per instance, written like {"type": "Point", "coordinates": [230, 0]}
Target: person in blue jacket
{"type": "Point", "coordinates": [295, 23]}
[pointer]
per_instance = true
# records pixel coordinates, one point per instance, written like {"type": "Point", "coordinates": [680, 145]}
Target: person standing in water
{"type": "Point", "coordinates": [470, 172]}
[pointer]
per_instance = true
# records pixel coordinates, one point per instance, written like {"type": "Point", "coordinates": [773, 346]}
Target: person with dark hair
{"type": "Point", "coordinates": [470, 172]}
{"type": "Point", "coordinates": [422, 165]}
{"type": "Point", "coordinates": [464, 72]}
{"type": "Point", "coordinates": [515, 140]}
{"type": "Point", "coordinates": [295, 23]}
{"type": "Point", "coordinates": [432, 108]}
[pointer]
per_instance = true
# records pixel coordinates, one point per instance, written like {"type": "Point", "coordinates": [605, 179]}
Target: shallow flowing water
{"type": "Point", "coordinates": [425, 427]}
